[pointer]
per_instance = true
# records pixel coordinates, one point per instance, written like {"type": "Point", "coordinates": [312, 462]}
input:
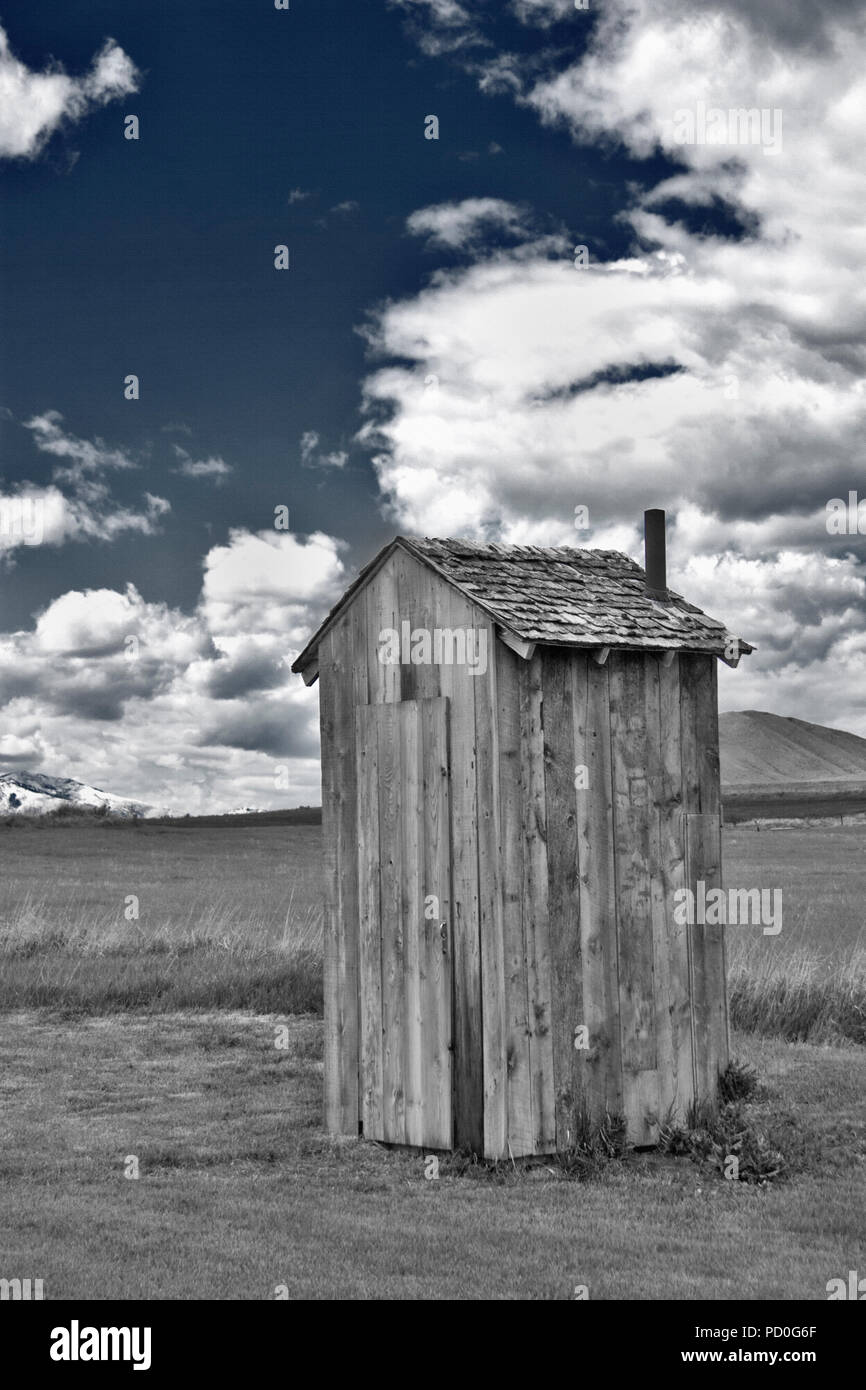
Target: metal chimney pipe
{"type": "Point", "coordinates": [655, 563]}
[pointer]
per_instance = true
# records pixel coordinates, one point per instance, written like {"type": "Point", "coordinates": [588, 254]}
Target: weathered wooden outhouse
{"type": "Point", "coordinates": [520, 770]}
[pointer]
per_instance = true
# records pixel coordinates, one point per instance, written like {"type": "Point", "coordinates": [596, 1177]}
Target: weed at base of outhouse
{"type": "Point", "coordinates": [712, 1140]}
{"type": "Point", "coordinates": [714, 1134]}
{"type": "Point", "coordinates": [595, 1148]}
{"type": "Point", "coordinates": [738, 1081]}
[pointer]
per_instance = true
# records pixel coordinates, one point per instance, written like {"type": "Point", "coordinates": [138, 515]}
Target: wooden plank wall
{"type": "Point", "coordinates": [630, 679]}
{"type": "Point", "coordinates": [370, 1068]}
{"type": "Point", "coordinates": [436, 1018]}
{"type": "Point", "coordinates": [392, 810]}
{"type": "Point", "coordinates": [601, 1073]}
{"type": "Point", "coordinates": [702, 797]}
{"type": "Point", "coordinates": [536, 912]}
{"type": "Point", "coordinates": [671, 945]}
{"type": "Point", "coordinates": [511, 1128]}
{"type": "Point", "coordinates": [342, 680]}
{"type": "Point", "coordinates": [595, 921]}
{"type": "Point", "coordinates": [563, 896]}
{"type": "Point", "coordinates": [452, 611]}
{"type": "Point", "coordinates": [561, 900]}
{"type": "Point", "coordinates": [403, 589]}
{"type": "Point", "coordinates": [405, 976]}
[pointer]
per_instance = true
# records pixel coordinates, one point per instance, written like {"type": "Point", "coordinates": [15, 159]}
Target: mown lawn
{"type": "Point", "coordinates": [240, 1192]}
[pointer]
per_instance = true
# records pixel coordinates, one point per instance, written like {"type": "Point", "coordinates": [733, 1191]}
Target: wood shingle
{"type": "Point", "coordinates": [558, 596]}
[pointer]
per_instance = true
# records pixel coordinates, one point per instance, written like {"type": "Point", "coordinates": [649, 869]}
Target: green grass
{"type": "Point", "coordinates": [240, 1191]}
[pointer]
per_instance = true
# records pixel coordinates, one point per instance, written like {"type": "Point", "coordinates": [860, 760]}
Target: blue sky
{"type": "Point", "coordinates": [433, 360]}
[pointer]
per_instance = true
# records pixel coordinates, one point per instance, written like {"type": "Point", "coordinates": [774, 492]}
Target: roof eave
{"type": "Point", "coordinates": [308, 655]}
{"type": "Point", "coordinates": [405, 543]}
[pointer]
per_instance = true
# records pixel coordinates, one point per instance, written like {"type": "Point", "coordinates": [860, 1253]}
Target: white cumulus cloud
{"type": "Point", "coordinates": [34, 104]}
{"type": "Point", "coordinates": [722, 377]}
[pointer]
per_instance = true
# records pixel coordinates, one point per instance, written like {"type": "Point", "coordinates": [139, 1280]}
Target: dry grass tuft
{"type": "Point", "coordinates": [801, 995]}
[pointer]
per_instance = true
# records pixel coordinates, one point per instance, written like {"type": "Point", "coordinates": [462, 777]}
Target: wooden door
{"type": "Point", "coordinates": [405, 946]}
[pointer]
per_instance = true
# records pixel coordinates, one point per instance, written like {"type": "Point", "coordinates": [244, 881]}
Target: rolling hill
{"type": "Point", "coordinates": [773, 753]}
{"type": "Point", "coordinates": [36, 794]}
{"type": "Point", "coordinates": [760, 749]}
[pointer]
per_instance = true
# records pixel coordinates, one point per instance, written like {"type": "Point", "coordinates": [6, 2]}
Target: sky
{"type": "Point", "coordinates": [536, 262]}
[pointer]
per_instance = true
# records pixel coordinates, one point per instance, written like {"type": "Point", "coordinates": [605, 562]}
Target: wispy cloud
{"type": "Point", "coordinates": [545, 12]}
{"type": "Point", "coordinates": [460, 225]}
{"type": "Point", "coordinates": [311, 458]}
{"type": "Point", "coordinates": [309, 445]}
{"type": "Point", "coordinates": [84, 455]}
{"type": "Point", "coordinates": [34, 104]}
{"type": "Point", "coordinates": [77, 505]}
{"type": "Point", "coordinates": [441, 26]}
{"type": "Point", "coordinates": [213, 468]}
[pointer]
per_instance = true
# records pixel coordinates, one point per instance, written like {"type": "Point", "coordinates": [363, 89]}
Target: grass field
{"type": "Point", "coordinates": [809, 981]}
{"type": "Point", "coordinates": [153, 1038]}
{"type": "Point", "coordinates": [804, 800]}
{"type": "Point", "coordinates": [239, 1192]}
{"type": "Point", "coordinates": [232, 918]}
{"type": "Point", "coordinates": [228, 918]}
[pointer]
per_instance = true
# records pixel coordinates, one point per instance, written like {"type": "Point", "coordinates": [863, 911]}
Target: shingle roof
{"type": "Point", "coordinates": [573, 597]}
{"type": "Point", "coordinates": [560, 596]}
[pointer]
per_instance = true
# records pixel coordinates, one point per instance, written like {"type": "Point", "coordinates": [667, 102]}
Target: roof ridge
{"type": "Point", "coordinates": [498, 548]}
{"type": "Point", "coordinates": [556, 595]}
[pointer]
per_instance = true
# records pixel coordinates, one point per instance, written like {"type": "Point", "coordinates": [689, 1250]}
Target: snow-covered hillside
{"type": "Point", "coordinates": [35, 794]}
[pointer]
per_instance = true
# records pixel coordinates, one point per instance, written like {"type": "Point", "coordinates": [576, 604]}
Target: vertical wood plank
{"type": "Point", "coordinates": [634, 906]}
{"type": "Point", "coordinates": [670, 935]}
{"type": "Point", "coordinates": [339, 815]}
{"type": "Point", "coordinates": [347, 868]}
{"type": "Point", "coordinates": [711, 802]}
{"type": "Point", "coordinates": [370, 953]}
{"type": "Point", "coordinates": [536, 925]}
{"type": "Point", "coordinates": [391, 917]}
{"type": "Point", "coordinates": [597, 887]}
{"type": "Point", "coordinates": [520, 1139]}
{"type": "Point", "coordinates": [691, 790]}
{"type": "Point", "coordinates": [382, 610]}
{"type": "Point", "coordinates": [333, 1060]}
{"type": "Point", "coordinates": [702, 795]}
{"type": "Point", "coordinates": [660, 904]}
{"type": "Point", "coordinates": [566, 959]}
{"type": "Point", "coordinates": [412, 915]}
{"type": "Point", "coordinates": [490, 911]}
{"type": "Point", "coordinates": [417, 604]}
{"type": "Point", "coordinates": [436, 945]}
{"type": "Point", "coordinates": [359, 638]}
{"type": "Point", "coordinates": [703, 861]}
{"type": "Point", "coordinates": [454, 612]}
{"type": "Point", "coordinates": [419, 594]}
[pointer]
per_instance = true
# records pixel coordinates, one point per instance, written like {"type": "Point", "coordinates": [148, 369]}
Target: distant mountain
{"type": "Point", "coordinates": [34, 794]}
{"type": "Point", "coordinates": [775, 750]}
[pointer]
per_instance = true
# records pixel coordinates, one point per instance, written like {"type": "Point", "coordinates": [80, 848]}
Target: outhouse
{"type": "Point", "coordinates": [520, 772]}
